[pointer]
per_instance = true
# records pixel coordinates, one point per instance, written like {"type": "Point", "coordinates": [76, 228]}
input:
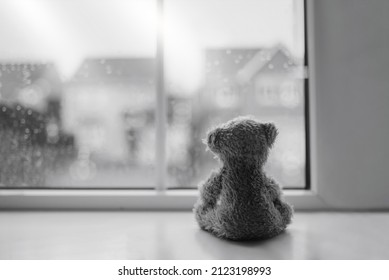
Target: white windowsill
{"type": "Point", "coordinates": [126, 199]}
{"type": "Point", "coordinates": [175, 235]}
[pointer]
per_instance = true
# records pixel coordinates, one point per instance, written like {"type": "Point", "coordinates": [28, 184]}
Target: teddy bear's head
{"type": "Point", "coordinates": [242, 137]}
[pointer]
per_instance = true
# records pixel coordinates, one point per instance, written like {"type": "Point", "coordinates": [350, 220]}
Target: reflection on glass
{"type": "Point", "coordinates": [226, 58]}
{"type": "Point", "coordinates": [77, 93]}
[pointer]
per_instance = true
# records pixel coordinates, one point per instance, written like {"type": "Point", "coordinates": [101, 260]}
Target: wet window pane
{"type": "Point", "coordinates": [226, 58]}
{"type": "Point", "coordinates": [77, 93]}
{"type": "Point", "coordinates": [78, 88]}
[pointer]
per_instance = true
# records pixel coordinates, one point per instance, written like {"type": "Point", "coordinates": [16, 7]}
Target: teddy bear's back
{"type": "Point", "coordinates": [244, 207]}
{"type": "Point", "coordinates": [240, 201]}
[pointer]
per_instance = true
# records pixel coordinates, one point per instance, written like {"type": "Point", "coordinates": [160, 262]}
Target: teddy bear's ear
{"type": "Point", "coordinates": [271, 133]}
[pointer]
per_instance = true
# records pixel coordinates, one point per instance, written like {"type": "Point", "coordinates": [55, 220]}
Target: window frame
{"type": "Point", "coordinates": [162, 198]}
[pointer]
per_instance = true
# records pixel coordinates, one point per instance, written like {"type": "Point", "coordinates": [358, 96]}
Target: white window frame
{"type": "Point", "coordinates": [161, 198]}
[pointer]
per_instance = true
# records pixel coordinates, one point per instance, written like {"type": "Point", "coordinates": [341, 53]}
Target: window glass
{"type": "Point", "coordinates": [225, 58]}
{"type": "Point", "coordinates": [77, 93]}
{"type": "Point", "coordinates": [78, 88]}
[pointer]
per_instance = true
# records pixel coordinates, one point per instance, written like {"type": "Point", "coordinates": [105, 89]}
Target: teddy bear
{"type": "Point", "coordinates": [239, 201]}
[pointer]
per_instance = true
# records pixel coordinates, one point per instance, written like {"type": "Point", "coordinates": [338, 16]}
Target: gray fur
{"type": "Point", "coordinates": [239, 201]}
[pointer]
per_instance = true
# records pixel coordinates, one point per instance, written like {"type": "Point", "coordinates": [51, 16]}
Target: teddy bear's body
{"type": "Point", "coordinates": [239, 201]}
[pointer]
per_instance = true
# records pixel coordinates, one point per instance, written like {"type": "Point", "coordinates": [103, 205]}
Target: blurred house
{"type": "Point", "coordinates": [33, 85]}
{"type": "Point", "coordinates": [30, 98]}
{"type": "Point", "coordinates": [109, 106]}
{"type": "Point", "coordinates": [32, 142]}
{"type": "Point", "coordinates": [266, 83]}
{"type": "Point", "coordinates": [260, 82]}
{"type": "Point", "coordinates": [244, 80]}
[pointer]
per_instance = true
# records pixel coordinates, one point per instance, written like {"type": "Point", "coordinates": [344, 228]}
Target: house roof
{"type": "Point", "coordinates": [107, 69]}
{"type": "Point", "coordinates": [15, 76]}
{"type": "Point", "coordinates": [227, 61]}
{"type": "Point", "coordinates": [242, 65]}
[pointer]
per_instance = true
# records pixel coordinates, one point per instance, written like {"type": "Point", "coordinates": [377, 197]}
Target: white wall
{"type": "Point", "coordinates": [351, 87]}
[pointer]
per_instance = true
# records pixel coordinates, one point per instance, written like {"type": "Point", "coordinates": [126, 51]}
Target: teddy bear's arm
{"type": "Point", "coordinates": [211, 189]}
{"type": "Point", "coordinates": [274, 189]}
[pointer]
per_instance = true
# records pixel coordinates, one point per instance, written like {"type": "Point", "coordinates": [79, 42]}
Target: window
{"type": "Point", "coordinates": [90, 98]}
{"type": "Point", "coordinates": [78, 93]}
